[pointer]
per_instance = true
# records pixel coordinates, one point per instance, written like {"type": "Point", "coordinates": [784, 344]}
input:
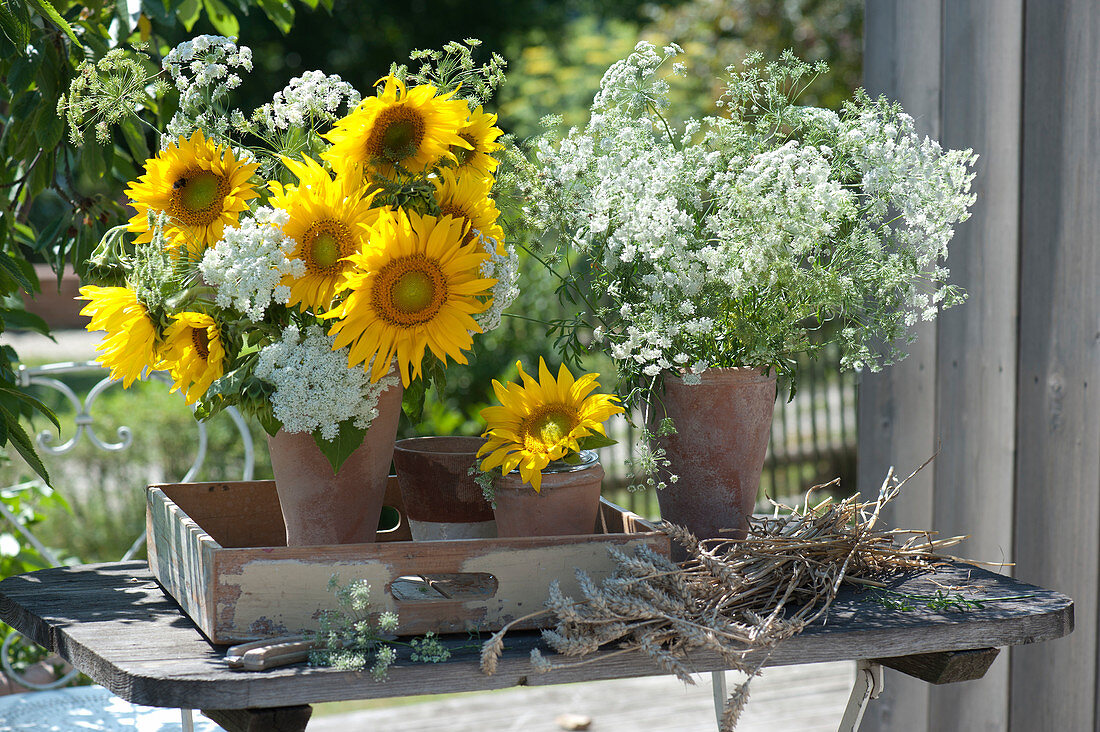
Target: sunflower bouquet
{"type": "Point", "coordinates": [301, 259]}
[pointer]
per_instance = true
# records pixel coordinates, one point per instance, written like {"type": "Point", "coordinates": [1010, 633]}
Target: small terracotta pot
{"type": "Point", "coordinates": [723, 425]}
{"type": "Point", "coordinates": [323, 507]}
{"type": "Point", "coordinates": [566, 505]}
{"type": "Point", "coordinates": [441, 499]}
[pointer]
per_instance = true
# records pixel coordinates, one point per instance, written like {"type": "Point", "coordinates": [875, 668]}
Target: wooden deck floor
{"type": "Point", "coordinates": [803, 698]}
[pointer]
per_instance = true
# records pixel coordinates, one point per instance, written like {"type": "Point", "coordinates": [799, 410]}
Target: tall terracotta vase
{"type": "Point", "coordinates": [566, 505]}
{"type": "Point", "coordinates": [323, 507]}
{"type": "Point", "coordinates": [723, 425]}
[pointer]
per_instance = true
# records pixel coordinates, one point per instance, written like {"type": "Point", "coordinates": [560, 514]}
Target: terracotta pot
{"type": "Point", "coordinates": [566, 505]}
{"type": "Point", "coordinates": [323, 507]}
{"type": "Point", "coordinates": [441, 499]}
{"type": "Point", "coordinates": [723, 425]}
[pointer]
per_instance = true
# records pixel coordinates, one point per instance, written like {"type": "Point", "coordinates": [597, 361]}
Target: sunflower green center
{"type": "Point", "coordinates": [412, 292]}
{"type": "Point", "coordinates": [409, 291]}
{"type": "Point", "coordinates": [550, 425]}
{"type": "Point", "coordinates": [553, 427]}
{"type": "Point", "coordinates": [396, 135]}
{"type": "Point", "coordinates": [326, 250]}
{"type": "Point", "coordinates": [201, 340]}
{"type": "Point", "coordinates": [324, 244]}
{"type": "Point", "coordinates": [200, 191]}
{"type": "Point", "coordinates": [197, 197]}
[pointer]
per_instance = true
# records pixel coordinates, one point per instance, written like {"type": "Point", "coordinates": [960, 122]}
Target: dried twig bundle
{"type": "Point", "coordinates": [734, 598]}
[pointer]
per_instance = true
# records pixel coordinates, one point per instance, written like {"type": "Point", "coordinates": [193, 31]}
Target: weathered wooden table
{"type": "Point", "coordinates": [115, 623]}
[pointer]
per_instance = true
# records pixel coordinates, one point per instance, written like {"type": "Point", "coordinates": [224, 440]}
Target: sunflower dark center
{"type": "Point", "coordinates": [201, 340]}
{"type": "Point", "coordinates": [324, 244]}
{"type": "Point", "coordinates": [197, 197]}
{"type": "Point", "coordinates": [396, 135]}
{"type": "Point", "coordinates": [409, 291]}
{"type": "Point", "coordinates": [550, 425]}
{"type": "Point", "coordinates": [553, 427]}
{"type": "Point", "coordinates": [412, 292]}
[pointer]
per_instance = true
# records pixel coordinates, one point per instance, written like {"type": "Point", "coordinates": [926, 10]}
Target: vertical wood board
{"type": "Point", "coordinates": [976, 342]}
{"type": "Point", "coordinates": [897, 415]}
{"type": "Point", "coordinates": [1054, 685]}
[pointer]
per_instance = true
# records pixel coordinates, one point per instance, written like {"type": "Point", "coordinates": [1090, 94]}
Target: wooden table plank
{"type": "Point", "coordinates": [119, 627]}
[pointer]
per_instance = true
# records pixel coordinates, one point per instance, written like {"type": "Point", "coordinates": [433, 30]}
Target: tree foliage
{"type": "Point", "coordinates": [57, 198]}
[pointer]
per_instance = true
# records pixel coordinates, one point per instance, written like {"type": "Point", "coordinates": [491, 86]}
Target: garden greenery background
{"type": "Point", "coordinates": [57, 199]}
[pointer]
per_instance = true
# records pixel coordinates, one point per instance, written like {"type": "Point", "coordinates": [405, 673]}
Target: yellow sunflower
{"type": "Point", "coordinates": [413, 128]}
{"type": "Point", "coordinates": [467, 198]}
{"type": "Point", "coordinates": [200, 187]}
{"type": "Point", "coordinates": [542, 421]}
{"type": "Point", "coordinates": [414, 287]}
{"type": "Point", "coordinates": [194, 354]}
{"type": "Point", "coordinates": [130, 343]}
{"type": "Point", "coordinates": [481, 133]}
{"type": "Point", "coordinates": [329, 221]}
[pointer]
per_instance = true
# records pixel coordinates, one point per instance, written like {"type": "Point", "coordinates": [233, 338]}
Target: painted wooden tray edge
{"type": "Point", "coordinates": [240, 593]}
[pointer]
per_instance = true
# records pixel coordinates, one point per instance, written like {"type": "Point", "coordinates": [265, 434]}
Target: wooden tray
{"type": "Point", "coordinates": [220, 550]}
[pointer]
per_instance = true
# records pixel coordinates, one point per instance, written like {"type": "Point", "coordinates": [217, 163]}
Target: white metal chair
{"type": "Point", "coordinates": [91, 707]}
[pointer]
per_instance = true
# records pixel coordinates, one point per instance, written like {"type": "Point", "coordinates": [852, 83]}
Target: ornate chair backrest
{"type": "Point", "coordinates": [56, 377]}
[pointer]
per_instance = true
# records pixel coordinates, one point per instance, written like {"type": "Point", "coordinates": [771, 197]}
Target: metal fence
{"type": "Point", "coordinates": [813, 438]}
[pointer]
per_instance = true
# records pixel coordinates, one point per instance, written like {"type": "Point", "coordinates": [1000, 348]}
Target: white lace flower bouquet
{"type": "Point", "coordinates": [744, 238]}
{"type": "Point", "coordinates": [299, 260]}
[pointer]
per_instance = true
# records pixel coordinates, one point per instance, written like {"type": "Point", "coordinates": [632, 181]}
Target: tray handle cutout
{"type": "Point", "coordinates": [428, 588]}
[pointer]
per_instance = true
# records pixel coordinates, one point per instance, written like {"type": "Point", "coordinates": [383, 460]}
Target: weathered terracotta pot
{"type": "Point", "coordinates": [322, 507]}
{"type": "Point", "coordinates": [723, 425]}
{"type": "Point", "coordinates": [566, 505]}
{"type": "Point", "coordinates": [441, 499]}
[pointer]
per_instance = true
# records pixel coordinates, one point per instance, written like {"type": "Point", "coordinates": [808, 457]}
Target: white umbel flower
{"type": "Point", "coordinates": [248, 263]}
{"type": "Point", "coordinates": [314, 388]}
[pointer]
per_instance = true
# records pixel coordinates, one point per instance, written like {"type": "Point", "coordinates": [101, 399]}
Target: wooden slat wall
{"type": "Point", "coordinates": [1004, 390]}
{"type": "Point", "coordinates": [1054, 685]}
{"type": "Point", "coordinates": [897, 408]}
{"type": "Point", "coordinates": [976, 342]}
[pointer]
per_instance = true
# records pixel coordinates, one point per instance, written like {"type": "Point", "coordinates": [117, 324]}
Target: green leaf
{"type": "Point", "coordinates": [230, 386]}
{"type": "Point", "coordinates": [135, 141]}
{"type": "Point", "coordinates": [279, 12]}
{"type": "Point", "coordinates": [44, 241]}
{"type": "Point", "coordinates": [11, 266]}
{"type": "Point", "coordinates": [222, 18]}
{"type": "Point", "coordinates": [188, 13]}
{"type": "Point", "coordinates": [595, 441]}
{"type": "Point", "coordinates": [437, 372]}
{"type": "Point", "coordinates": [49, 131]}
{"type": "Point", "coordinates": [266, 418]}
{"type": "Point", "coordinates": [18, 439]}
{"type": "Point", "coordinates": [51, 70]}
{"type": "Point", "coordinates": [122, 17]}
{"type": "Point", "coordinates": [28, 399]}
{"type": "Point", "coordinates": [22, 320]}
{"type": "Point", "coordinates": [23, 71]}
{"type": "Point", "coordinates": [412, 401]}
{"type": "Point", "coordinates": [50, 12]}
{"type": "Point", "coordinates": [347, 441]}
{"type": "Point", "coordinates": [15, 31]}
